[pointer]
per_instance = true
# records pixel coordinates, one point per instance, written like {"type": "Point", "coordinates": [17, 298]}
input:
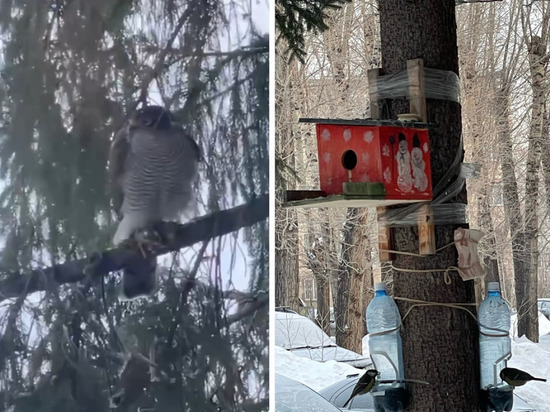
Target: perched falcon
{"type": "Point", "coordinates": [153, 165]}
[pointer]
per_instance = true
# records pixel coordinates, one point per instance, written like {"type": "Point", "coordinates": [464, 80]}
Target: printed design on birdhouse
{"type": "Point", "coordinates": [368, 136]}
{"type": "Point", "coordinates": [407, 171]}
{"type": "Point", "coordinates": [347, 135]}
{"type": "Point", "coordinates": [403, 157]}
{"type": "Point", "coordinates": [325, 135]}
{"type": "Point", "coordinates": [387, 175]}
{"type": "Point", "coordinates": [418, 165]}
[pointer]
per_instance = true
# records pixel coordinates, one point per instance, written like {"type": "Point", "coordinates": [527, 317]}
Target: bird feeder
{"type": "Point", "coordinates": [366, 163]}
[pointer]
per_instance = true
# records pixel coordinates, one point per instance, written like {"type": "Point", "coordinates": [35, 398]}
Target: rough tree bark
{"type": "Point", "coordinates": [286, 255]}
{"type": "Point", "coordinates": [349, 308]}
{"type": "Point", "coordinates": [321, 263]}
{"type": "Point", "coordinates": [510, 194]}
{"type": "Point", "coordinates": [286, 220]}
{"type": "Point", "coordinates": [526, 283]}
{"type": "Point", "coordinates": [437, 341]}
{"type": "Point", "coordinates": [486, 224]}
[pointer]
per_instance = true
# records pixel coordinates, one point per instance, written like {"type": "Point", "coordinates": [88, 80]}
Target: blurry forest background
{"type": "Point", "coordinates": [71, 71]}
{"type": "Point", "coordinates": [329, 257]}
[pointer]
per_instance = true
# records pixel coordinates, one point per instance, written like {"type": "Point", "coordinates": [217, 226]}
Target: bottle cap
{"type": "Point", "coordinates": [379, 286]}
{"type": "Point", "coordinates": [493, 287]}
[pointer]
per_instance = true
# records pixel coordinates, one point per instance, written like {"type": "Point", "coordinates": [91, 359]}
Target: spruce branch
{"type": "Point", "coordinates": [181, 235]}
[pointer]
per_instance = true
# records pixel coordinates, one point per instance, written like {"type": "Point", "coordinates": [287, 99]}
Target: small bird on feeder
{"type": "Point", "coordinates": [516, 377]}
{"type": "Point", "coordinates": [364, 384]}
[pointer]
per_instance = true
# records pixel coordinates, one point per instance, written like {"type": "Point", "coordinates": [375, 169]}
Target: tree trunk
{"type": "Point", "coordinates": [440, 344]}
{"type": "Point", "coordinates": [286, 220]}
{"type": "Point", "coordinates": [485, 223]}
{"type": "Point", "coordinates": [526, 283]}
{"type": "Point", "coordinates": [349, 309]}
{"type": "Point", "coordinates": [510, 194]}
{"type": "Point", "coordinates": [321, 263]}
{"type": "Point", "coordinates": [323, 307]}
{"type": "Point", "coordinates": [286, 270]}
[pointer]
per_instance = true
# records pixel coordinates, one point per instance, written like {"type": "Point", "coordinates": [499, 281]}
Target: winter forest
{"type": "Point", "coordinates": [72, 72]}
{"type": "Point", "coordinates": [329, 258]}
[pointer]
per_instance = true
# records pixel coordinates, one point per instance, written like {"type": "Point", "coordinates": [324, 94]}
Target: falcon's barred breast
{"type": "Point", "coordinates": [153, 165]}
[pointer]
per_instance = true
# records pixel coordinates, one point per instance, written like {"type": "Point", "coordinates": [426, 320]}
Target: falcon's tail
{"type": "Point", "coordinates": [139, 277]}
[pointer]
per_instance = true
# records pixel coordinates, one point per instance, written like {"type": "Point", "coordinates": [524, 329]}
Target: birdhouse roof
{"type": "Point", "coordinates": [365, 122]}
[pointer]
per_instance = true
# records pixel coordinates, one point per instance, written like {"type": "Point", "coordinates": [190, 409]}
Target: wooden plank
{"type": "Point", "coordinates": [417, 94]}
{"type": "Point", "coordinates": [426, 233]}
{"type": "Point", "coordinates": [364, 122]}
{"type": "Point", "coordinates": [343, 201]}
{"type": "Point", "coordinates": [384, 236]}
{"type": "Point", "coordinates": [294, 195]}
{"type": "Point", "coordinates": [372, 75]}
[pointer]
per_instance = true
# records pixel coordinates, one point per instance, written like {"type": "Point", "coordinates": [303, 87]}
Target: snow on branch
{"type": "Point", "coordinates": [179, 235]}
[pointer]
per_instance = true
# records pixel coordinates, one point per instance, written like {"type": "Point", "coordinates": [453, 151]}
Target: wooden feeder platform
{"type": "Point", "coordinates": [305, 199]}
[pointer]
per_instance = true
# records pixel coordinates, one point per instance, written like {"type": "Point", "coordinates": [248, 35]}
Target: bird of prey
{"type": "Point", "coordinates": [153, 165]}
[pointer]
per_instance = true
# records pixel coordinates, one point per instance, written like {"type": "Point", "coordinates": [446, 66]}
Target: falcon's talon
{"type": "Point", "coordinates": [94, 261]}
{"type": "Point", "coordinates": [133, 244]}
{"type": "Point", "coordinates": [128, 244]}
{"type": "Point", "coordinates": [142, 249]}
{"type": "Point", "coordinates": [149, 238]}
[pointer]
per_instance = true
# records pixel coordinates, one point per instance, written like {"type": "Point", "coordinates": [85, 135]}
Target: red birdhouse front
{"type": "Point", "coordinates": [396, 157]}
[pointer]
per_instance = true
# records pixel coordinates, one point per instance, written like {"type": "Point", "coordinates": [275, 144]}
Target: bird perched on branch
{"type": "Point", "coordinates": [364, 384]}
{"type": "Point", "coordinates": [153, 165]}
{"type": "Point", "coordinates": [516, 377]}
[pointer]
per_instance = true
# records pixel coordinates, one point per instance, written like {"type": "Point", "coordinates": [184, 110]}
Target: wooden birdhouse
{"type": "Point", "coordinates": [369, 163]}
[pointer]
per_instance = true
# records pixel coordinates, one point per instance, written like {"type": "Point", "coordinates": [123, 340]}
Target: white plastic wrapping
{"type": "Point", "coordinates": [438, 84]}
{"type": "Point", "coordinates": [443, 214]}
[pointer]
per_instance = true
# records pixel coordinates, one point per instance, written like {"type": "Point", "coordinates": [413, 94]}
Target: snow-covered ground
{"type": "Point", "coordinates": [526, 355]}
{"type": "Point", "coordinates": [535, 359]}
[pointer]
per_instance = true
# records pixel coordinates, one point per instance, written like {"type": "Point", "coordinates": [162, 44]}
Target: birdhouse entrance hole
{"type": "Point", "coordinates": [349, 160]}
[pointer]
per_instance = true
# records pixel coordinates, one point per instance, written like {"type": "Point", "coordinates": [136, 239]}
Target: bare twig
{"type": "Point", "coordinates": [155, 71]}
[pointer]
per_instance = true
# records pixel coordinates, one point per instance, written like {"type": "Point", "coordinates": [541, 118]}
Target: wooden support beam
{"type": "Point", "coordinates": [417, 93]}
{"type": "Point", "coordinates": [293, 195]}
{"type": "Point", "coordinates": [384, 236]}
{"type": "Point", "coordinates": [426, 233]}
{"type": "Point", "coordinates": [372, 75]}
